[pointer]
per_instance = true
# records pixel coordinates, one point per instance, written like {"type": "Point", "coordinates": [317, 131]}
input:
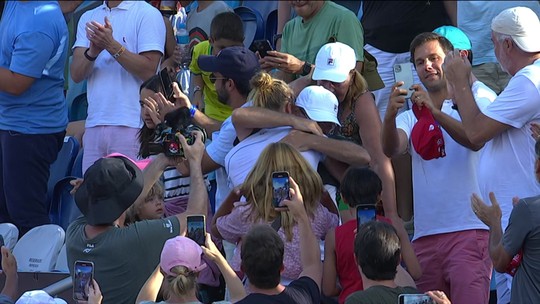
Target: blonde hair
{"type": "Point", "coordinates": [268, 92]}
{"type": "Point", "coordinates": [357, 87]}
{"type": "Point", "coordinates": [132, 213]}
{"type": "Point", "coordinates": [183, 282]}
{"type": "Point", "coordinates": [257, 187]}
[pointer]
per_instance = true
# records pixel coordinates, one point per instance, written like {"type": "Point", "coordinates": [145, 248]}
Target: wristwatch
{"type": "Point", "coordinates": [306, 68]}
{"type": "Point", "coordinates": [90, 58]}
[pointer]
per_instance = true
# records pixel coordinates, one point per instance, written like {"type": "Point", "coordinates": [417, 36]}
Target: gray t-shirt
{"type": "Point", "coordinates": [123, 257]}
{"type": "Point", "coordinates": [523, 232]}
{"type": "Point", "coordinates": [379, 294]}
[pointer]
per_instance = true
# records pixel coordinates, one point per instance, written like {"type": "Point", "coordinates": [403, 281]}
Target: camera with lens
{"type": "Point", "coordinates": [166, 138]}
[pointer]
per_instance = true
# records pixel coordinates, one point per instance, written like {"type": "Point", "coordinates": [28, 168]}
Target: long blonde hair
{"type": "Point", "coordinates": [357, 87]}
{"type": "Point", "coordinates": [257, 188]}
{"type": "Point", "coordinates": [270, 93]}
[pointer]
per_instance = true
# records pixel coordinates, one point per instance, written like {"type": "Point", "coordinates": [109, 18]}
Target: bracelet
{"type": "Point", "coordinates": [192, 111]}
{"type": "Point", "coordinates": [120, 52]}
{"type": "Point", "coordinates": [90, 58]}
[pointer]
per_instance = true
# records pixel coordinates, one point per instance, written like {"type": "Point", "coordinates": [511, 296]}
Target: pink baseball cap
{"type": "Point", "coordinates": [181, 251]}
{"type": "Point", "coordinates": [141, 164]}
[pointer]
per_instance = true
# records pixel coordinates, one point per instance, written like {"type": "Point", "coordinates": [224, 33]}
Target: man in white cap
{"type": "Point", "coordinates": [506, 166]}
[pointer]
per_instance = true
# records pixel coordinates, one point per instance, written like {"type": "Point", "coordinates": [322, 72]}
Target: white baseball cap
{"type": "Point", "coordinates": [320, 104]}
{"type": "Point", "coordinates": [334, 61]}
{"type": "Point", "coordinates": [38, 297]}
{"type": "Point", "coordinates": [522, 24]}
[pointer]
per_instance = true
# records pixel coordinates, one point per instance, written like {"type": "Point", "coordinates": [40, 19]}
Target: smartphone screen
{"type": "Point", "coordinates": [415, 299]}
{"type": "Point", "coordinates": [84, 274]}
{"type": "Point", "coordinates": [403, 72]}
{"type": "Point", "coordinates": [365, 213]}
{"type": "Point", "coordinates": [166, 83]}
{"type": "Point", "coordinates": [280, 187]}
{"type": "Point", "coordinates": [261, 46]}
{"type": "Point", "coordinates": [196, 228]}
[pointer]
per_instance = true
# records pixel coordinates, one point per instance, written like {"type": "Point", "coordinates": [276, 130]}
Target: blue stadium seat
{"type": "Point", "coordinates": [253, 24]}
{"type": "Point", "coordinates": [63, 209]}
{"type": "Point", "coordinates": [79, 108]}
{"type": "Point", "coordinates": [63, 164]}
{"type": "Point", "coordinates": [271, 27]}
{"type": "Point", "coordinates": [76, 170]}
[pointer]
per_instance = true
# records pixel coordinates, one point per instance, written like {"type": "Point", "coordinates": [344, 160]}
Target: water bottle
{"type": "Point", "coordinates": [182, 40]}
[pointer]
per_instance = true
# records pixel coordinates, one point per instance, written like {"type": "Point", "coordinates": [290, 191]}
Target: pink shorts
{"type": "Point", "coordinates": [457, 263]}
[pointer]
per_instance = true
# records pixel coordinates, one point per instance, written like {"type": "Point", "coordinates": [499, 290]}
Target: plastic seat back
{"type": "Point", "coordinates": [10, 233]}
{"type": "Point", "coordinates": [63, 164]}
{"type": "Point", "coordinates": [253, 24]}
{"type": "Point", "coordinates": [63, 209]}
{"type": "Point", "coordinates": [62, 263]}
{"type": "Point", "coordinates": [271, 27]}
{"type": "Point", "coordinates": [38, 249]}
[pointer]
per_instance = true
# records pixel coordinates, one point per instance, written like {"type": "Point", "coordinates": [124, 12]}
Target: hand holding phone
{"type": "Point", "coordinates": [280, 188]}
{"type": "Point", "coordinates": [196, 228]}
{"type": "Point", "coordinates": [166, 84]}
{"type": "Point", "coordinates": [415, 299]}
{"type": "Point", "coordinates": [84, 276]}
{"type": "Point", "coordinates": [365, 213]}
{"type": "Point", "coordinates": [403, 72]}
{"type": "Point", "coordinates": [261, 46]}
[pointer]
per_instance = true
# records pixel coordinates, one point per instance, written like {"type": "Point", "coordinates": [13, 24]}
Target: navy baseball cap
{"type": "Point", "coordinates": [236, 62]}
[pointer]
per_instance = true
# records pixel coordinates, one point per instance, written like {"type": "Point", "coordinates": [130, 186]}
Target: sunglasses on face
{"type": "Point", "coordinates": [213, 78]}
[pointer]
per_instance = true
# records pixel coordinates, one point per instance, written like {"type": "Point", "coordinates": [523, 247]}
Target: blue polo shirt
{"type": "Point", "coordinates": [33, 38]}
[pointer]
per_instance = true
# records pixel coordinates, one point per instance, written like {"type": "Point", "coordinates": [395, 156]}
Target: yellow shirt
{"type": "Point", "coordinates": [213, 107]}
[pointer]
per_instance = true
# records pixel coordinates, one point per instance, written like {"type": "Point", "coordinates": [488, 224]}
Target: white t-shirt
{"type": "Point", "coordinates": [442, 187]}
{"type": "Point", "coordinates": [507, 165]}
{"type": "Point", "coordinates": [242, 158]}
{"type": "Point", "coordinates": [113, 92]}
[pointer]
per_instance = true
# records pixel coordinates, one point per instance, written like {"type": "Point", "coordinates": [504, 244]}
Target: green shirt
{"type": "Point", "coordinates": [304, 39]}
{"type": "Point", "coordinates": [379, 295]}
{"type": "Point", "coordinates": [123, 257]}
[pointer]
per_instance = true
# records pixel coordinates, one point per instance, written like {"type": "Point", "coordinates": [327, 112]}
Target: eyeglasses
{"type": "Point", "coordinates": [213, 78]}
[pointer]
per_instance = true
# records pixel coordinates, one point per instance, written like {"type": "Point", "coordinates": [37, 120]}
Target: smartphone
{"type": "Point", "coordinates": [84, 274]}
{"type": "Point", "coordinates": [196, 228]}
{"type": "Point", "coordinates": [166, 84]}
{"type": "Point", "coordinates": [403, 72]}
{"type": "Point", "coordinates": [261, 46]}
{"type": "Point", "coordinates": [365, 213]}
{"type": "Point", "coordinates": [280, 187]}
{"type": "Point", "coordinates": [415, 299]}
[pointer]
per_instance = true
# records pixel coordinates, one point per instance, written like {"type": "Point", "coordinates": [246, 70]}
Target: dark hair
{"type": "Point", "coordinates": [262, 256]}
{"type": "Point", "coordinates": [537, 148]}
{"type": "Point", "coordinates": [360, 186]}
{"type": "Point", "coordinates": [227, 25]}
{"type": "Point", "coordinates": [243, 87]}
{"type": "Point", "coordinates": [377, 250]}
{"type": "Point", "coordinates": [425, 37]}
{"type": "Point", "coordinates": [146, 134]}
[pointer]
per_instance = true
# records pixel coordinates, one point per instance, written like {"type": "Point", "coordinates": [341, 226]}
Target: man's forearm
{"type": "Point", "coordinates": [11, 286]}
{"type": "Point", "coordinates": [141, 66]}
{"type": "Point", "coordinates": [209, 124]}
{"type": "Point", "coordinates": [468, 110]}
{"type": "Point", "coordinates": [390, 137]}
{"type": "Point", "coordinates": [342, 150]}
{"type": "Point", "coordinates": [310, 252]}
{"type": "Point", "coordinates": [455, 129]}
{"type": "Point", "coordinates": [198, 194]}
{"type": "Point", "coordinates": [81, 67]}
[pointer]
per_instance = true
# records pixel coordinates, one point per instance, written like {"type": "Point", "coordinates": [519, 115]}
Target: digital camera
{"type": "Point", "coordinates": [166, 140]}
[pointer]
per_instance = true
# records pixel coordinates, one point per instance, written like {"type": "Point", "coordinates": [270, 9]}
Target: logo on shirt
{"type": "Point", "coordinates": [431, 127]}
{"type": "Point", "coordinates": [168, 224]}
{"type": "Point", "coordinates": [88, 248]}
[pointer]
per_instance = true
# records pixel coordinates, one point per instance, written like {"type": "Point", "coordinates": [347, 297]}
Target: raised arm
{"type": "Point", "coordinates": [454, 127]}
{"type": "Point", "coordinates": [235, 286]}
{"type": "Point", "coordinates": [150, 289]}
{"type": "Point", "coordinates": [369, 121]}
{"type": "Point", "coordinates": [310, 253]}
{"type": "Point", "coordinates": [394, 141]}
{"type": "Point", "coordinates": [329, 278]}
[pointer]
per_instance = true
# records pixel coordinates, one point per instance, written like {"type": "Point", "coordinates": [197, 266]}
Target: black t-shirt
{"type": "Point", "coordinates": [301, 291]}
{"type": "Point", "coordinates": [390, 26]}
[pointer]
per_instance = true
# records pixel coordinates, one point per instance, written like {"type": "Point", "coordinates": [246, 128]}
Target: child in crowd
{"type": "Point", "coordinates": [226, 30]}
{"type": "Point", "coordinates": [360, 186]}
{"type": "Point", "coordinates": [149, 209]}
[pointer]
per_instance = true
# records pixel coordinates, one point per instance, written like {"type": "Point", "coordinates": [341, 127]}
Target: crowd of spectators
{"type": "Point", "coordinates": [455, 157]}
